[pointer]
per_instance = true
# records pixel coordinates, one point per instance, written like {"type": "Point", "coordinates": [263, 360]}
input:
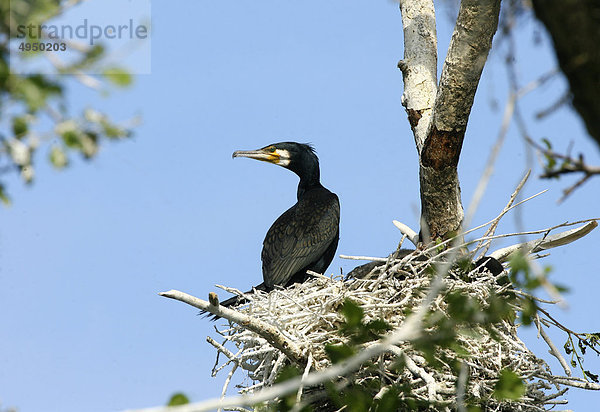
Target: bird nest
{"type": "Point", "coordinates": [308, 315]}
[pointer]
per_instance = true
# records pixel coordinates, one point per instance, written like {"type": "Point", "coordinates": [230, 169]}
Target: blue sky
{"type": "Point", "coordinates": [84, 252]}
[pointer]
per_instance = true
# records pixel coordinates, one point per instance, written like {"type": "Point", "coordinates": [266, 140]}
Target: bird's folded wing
{"type": "Point", "coordinates": [299, 238]}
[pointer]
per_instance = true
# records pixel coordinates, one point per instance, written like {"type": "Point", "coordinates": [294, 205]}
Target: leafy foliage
{"type": "Point", "coordinates": [509, 386]}
{"type": "Point", "coordinates": [38, 102]}
{"type": "Point", "coordinates": [440, 332]}
{"type": "Point", "coordinates": [178, 399]}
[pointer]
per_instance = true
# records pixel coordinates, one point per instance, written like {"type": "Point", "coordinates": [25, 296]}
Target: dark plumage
{"type": "Point", "coordinates": [304, 237]}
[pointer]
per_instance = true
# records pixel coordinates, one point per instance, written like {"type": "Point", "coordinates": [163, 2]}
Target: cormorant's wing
{"type": "Point", "coordinates": [300, 236]}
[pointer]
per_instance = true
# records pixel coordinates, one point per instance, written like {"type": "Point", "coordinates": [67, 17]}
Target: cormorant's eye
{"type": "Point", "coordinates": [271, 149]}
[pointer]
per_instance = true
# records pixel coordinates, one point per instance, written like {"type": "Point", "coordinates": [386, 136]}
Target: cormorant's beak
{"type": "Point", "coordinates": [261, 154]}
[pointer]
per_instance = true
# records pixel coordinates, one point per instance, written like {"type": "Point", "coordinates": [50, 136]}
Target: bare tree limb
{"type": "Point", "coordinates": [263, 329]}
{"type": "Point", "coordinates": [546, 242]}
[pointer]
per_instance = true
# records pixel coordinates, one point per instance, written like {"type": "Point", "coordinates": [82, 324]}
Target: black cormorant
{"type": "Point", "coordinates": [304, 237]}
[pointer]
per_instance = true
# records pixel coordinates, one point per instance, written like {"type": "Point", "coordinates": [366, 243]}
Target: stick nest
{"type": "Point", "coordinates": [308, 315]}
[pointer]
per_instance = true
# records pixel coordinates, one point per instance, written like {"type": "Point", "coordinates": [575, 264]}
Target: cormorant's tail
{"type": "Point", "coordinates": [233, 301]}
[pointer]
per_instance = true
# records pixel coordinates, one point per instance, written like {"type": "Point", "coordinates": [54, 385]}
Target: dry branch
{"type": "Point", "coordinates": [546, 242]}
{"type": "Point", "coordinates": [263, 329]}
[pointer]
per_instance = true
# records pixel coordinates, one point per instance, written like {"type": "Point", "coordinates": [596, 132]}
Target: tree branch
{"type": "Point", "coordinates": [419, 66]}
{"type": "Point", "coordinates": [546, 242]}
{"type": "Point", "coordinates": [263, 329]}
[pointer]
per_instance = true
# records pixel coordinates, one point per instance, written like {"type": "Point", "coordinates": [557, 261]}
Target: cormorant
{"type": "Point", "coordinates": [304, 237]}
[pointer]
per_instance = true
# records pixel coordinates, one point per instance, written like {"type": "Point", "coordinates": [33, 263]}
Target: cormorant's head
{"type": "Point", "coordinates": [298, 157]}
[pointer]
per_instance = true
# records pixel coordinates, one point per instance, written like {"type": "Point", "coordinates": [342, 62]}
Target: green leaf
{"type": "Point", "coordinates": [3, 196]}
{"type": "Point", "coordinates": [547, 143]}
{"type": "Point", "coordinates": [353, 313]}
{"type": "Point", "coordinates": [118, 76]}
{"type": "Point", "coordinates": [288, 372]}
{"type": "Point", "coordinates": [551, 162]}
{"type": "Point", "coordinates": [509, 386]}
{"type": "Point", "coordinates": [178, 399]}
{"type": "Point", "coordinates": [528, 310]}
{"type": "Point", "coordinates": [358, 399]}
{"type": "Point", "coordinates": [389, 402]}
{"type": "Point", "coordinates": [19, 126]}
{"type": "Point", "coordinates": [71, 139]}
{"type": "Point", "coordinates": [339, 352]}
{"type": "Point", "coordinates": [58, 157]}
{"type": "Point", "coordinates": [518, 262]}
{"type": "Point", "coordinates": [378, 326]}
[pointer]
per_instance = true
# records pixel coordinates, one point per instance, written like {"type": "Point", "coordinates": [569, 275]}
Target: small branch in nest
{"type": "Point", "coordinates": [373, 259]}
{"type": "Point", "coordinates": [232, 357]}
{"type": "Point", "coordinates": [421, 373]}
{"type": "Point", "coordinates": [228, 380]}
{"type": "Point", "coordinates": [263, 329]}
{"type": "Point", "coordinates": [304, 375]}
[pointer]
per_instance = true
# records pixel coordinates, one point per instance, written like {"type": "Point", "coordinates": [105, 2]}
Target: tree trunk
{"type": "Point", "coordinates": [439, 116]}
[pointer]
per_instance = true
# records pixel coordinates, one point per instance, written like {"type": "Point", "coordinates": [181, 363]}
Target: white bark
{"type": "Point", "coordinates": [419, 66]}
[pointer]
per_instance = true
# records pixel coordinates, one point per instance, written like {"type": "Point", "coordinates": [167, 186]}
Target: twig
{"type": "Point", "coordinates": [576, 382]}
{"type": "Point", "coordinates": [304, 375]}
{"type": "Point", "coordinates": [461, 386]}
{"type": "Point", "coordinates": [420, 373]}
{"type": "Point", "coordinates": [553, 350]}
{"type": "Point", "coordinates": [492, 229]}
{"type": "Point", "coordinates": [565, 329]}
{"type": "Point", "coordinates": [227, 381]}
{"type": "Point", "coordinates": [489, 166]}
{"type": "Point", "coordinates": [568, 165]}
{"type": "Point", "coordinates": [373, 259]}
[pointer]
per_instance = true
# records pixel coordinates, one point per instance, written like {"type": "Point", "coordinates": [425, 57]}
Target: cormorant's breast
{"type": "Point", "coordinates": [304, 237]}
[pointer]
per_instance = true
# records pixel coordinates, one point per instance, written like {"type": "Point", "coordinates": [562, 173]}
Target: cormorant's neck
{"type": "Point", "coordinates": [309, 179]}
{"type": "Point", "coordinates": [306, 166]}
{"type": "Point", "coordinates": [306, 185]}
